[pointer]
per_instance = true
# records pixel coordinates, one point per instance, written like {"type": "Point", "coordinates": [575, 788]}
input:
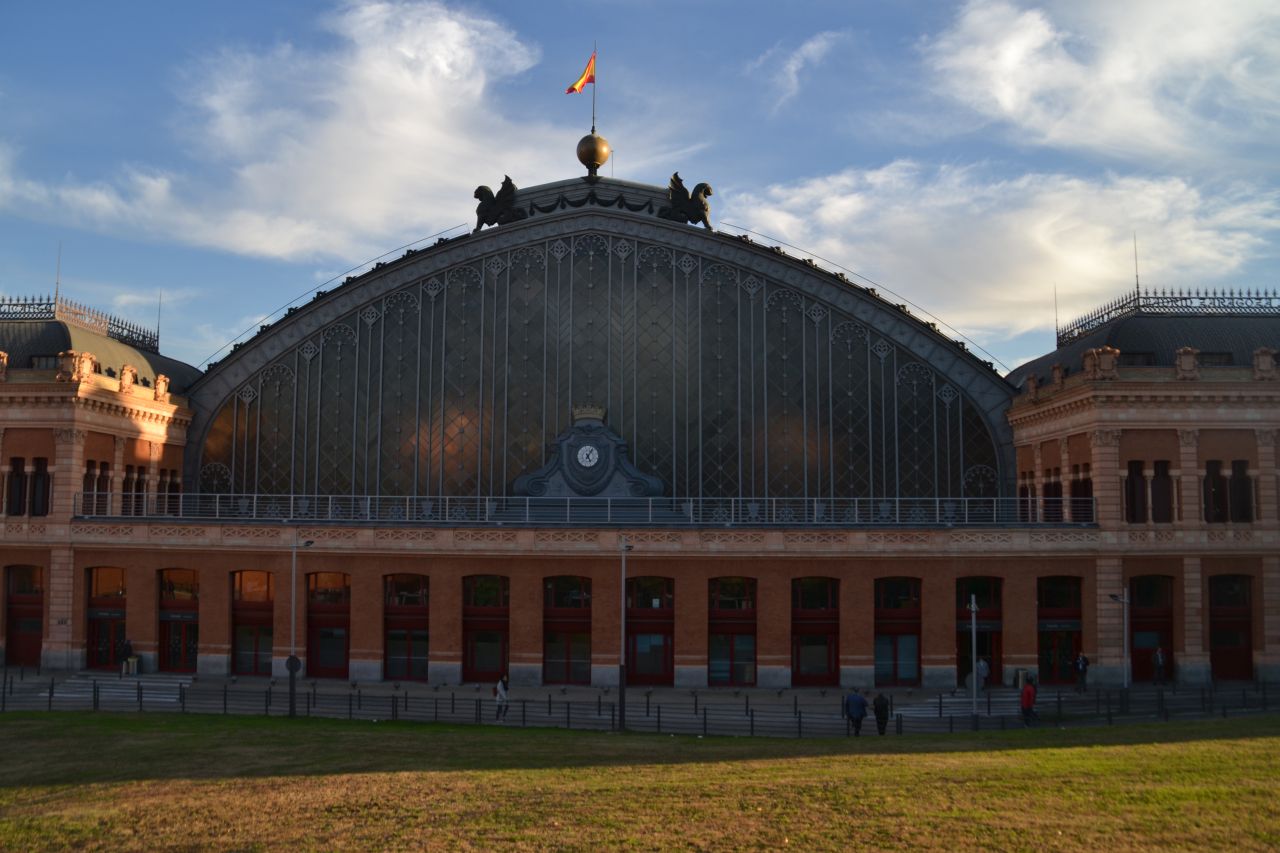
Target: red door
{"type": "Point", "coordinates": [24, 617]}
{"type": "Point", "coordinates": [179, 642]}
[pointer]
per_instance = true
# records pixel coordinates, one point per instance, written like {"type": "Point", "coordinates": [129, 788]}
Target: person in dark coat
{"type": "Point", "coordinates": [1157, 660]}
{"type": "Point", "coordinates": [855, 708]}
{"type": "Point", "coordinates": [128, 664]}
{"type": "Point", "coordinates": [881, 708]}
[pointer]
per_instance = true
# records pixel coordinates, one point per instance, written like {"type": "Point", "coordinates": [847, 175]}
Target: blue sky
{"type": "Point", "coordinates": [967, 157]}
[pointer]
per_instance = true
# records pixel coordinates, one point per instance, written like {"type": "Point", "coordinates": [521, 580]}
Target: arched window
{"type": "Point", "coordinates": [731, 631]}
{"type": "Point", "coordinates": [406, 615]}
{"type": "Point", "coordinates": [252, 634]}
{"type": "Point", "coordinates": [566, 630]}
{"type": "Point", "coordinates": [179, 619]}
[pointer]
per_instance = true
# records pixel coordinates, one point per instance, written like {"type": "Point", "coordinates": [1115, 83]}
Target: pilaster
{"type": "Point", "coordinates": [68, 451]}
{"type": "Point", "coordinates": [114, 502]}
{"type": "Point", "coordinates": [1268, 513]}
{"type": "Point", "coordinates": [1193, 661]}
{"type": "Point", "coordinates": [1189, 482]}
{"type": "Point", "coordinates": [59, 649]}
{"type": "Point", "coordinates": [1109, 665]}
{"type": "Point", "coordinates": [1268, 666]}
{"type": "Point", "coordinates": [1104, 447]}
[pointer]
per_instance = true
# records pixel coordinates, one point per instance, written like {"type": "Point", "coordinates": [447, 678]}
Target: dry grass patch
{"type": "Point", "coordinates": [172, 782]}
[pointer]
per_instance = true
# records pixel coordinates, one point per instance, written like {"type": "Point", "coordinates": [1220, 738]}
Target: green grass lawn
{"type": "Point", "coordinates": [168, 781]}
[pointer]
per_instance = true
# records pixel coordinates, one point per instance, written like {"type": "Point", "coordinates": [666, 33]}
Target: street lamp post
{"type": "Point", "coordinates": [973, 650]}
{"type": "Point", "coordinates": [293, 664]}
{"type": "Point", "coordinates": [1123, 600]}
{"type": "Point", "coordinates": [623, 548]}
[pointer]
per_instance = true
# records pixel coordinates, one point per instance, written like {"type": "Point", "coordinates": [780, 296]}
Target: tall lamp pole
{"type": "Point", "coordinates": [623, 548]}
{"type": "Point", "coordinates": [1128, 668]}
{"type": "Point", "coordinates": [293, 664]}
{"type": "Point", "coordinates": [973, 648]}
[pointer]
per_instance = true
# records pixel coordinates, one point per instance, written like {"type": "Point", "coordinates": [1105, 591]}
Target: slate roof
{"type": "Point", "coordinates": [27, 339]}
{"type": "Point", "coordinates": [1162, 336]}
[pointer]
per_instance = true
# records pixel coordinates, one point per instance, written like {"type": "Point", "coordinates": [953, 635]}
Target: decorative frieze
{"type": "Point", "coordinates": [728, 539]}
{"type": "Point", "coordinates": [468, 536]}
{"type": "Point", "coordinates": [817, 539]}
{"type": "Point", "coordinates": [567, 537]}
{"type": "Point", "coordinates": [406, 535]}
{"type": "Point", "coordinates": [258, 533]}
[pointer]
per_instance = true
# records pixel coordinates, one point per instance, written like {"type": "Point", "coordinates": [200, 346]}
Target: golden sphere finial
{"type": "Point", "coordinates": [593, 152]}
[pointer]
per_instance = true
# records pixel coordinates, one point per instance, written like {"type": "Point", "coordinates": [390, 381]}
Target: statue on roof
{"type": "Point", "coordinates": [497, 209]}
{"type": "Point", "coordinates": [686, 207]}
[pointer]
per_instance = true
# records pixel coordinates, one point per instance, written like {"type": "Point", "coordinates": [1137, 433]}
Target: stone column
{"type": "Point", "coordinates": [691, 630]}
{"type": "Point", "coordinates": [213, 656]}
{"type": "Point", "coordinates": [524, 628]}
{"type": "Point", "coordinates": [365, 645]}
{"type": "Point", "coordinates": [115, 503]}
{"type": "Point", "coordinates": [857, 629]}
{"type": "Point", "coordinates": [1037, 479]}
{"type": "Point", "coordinates": [1193, 662]}
{"type": "Point", "coordinates": [773, 629]}
{"type": "Point", "coordinates": [1189, 464]}
{"type": "Point", "coordinates": [64, 630]}
{"type": "Point", "coordinates": [1104, 448]}
{"type": "Point", "coordinates": [1266, 511]}
{"type": "Point", "coordinates": [68, 451]}
{"type": "Point", "coordinates": [1268, 666]}
{"type": "Point", "coordinates": [1020, 621]}
{"type": "Point", "coordinates": [1109, 665]}
{"type": "Point", "coordinates": [444, 651]}
{"type": "Point", "coordinates": [1066, 479]}
{"type": "Point", "coordinates": [150, 497]}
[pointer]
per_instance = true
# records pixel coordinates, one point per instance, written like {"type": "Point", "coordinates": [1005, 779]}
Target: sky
{"type": "Point", "coordinates": [971, 159]}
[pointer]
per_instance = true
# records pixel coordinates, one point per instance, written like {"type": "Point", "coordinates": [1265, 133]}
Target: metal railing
{"type": "Point", "coordinates": [603, 512]}
{"type": "Point", "coordinates": [702, 713]}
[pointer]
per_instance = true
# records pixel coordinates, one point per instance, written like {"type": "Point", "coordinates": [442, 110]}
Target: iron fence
{"type": "Point", "coordinates": [525, 511]}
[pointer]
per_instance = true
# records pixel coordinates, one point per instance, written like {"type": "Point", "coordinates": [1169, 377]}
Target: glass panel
{"type": "Point", "coordinates": [487, 651]}
{"type": "Point", "coordinates": [813, 654]}
{"type": "Point", "coordinates": [329, 588]}
{"type": "Point", "coordinates": [407, 590]}
{"type": "Point", "coordinates": [556, 657]}
{"type": "Point", "coordinates": [108, 583]}
{"type": "Point", "coordinates": [25, 580]}
{"type": "Point", "coordinates": [253, 586]}
{"type": "Point", "coordinates": [649, 593]}
{"type": "Point", "coordinates": [650, 654]}
{"type": "Point", "coordinates": [397, 653]}
{"type": "Point", "coordinates": [418, 655]}
{"type": "Point", "coordinates": [1146, 639]}
{"type": "Point", "coordinates": [884, 659]}
{"type": "Point", "coordinates": [246, 648]}
{"type": "Point", "coordinates": [908, 657]}
{"type": "Point", "coordinates": [332, 651]}
{"type": "Point", "coordinates": [718, 659]}
{"type": "Point", "coordinates": [580, 658]}
{"type": "Point", "coordinates": [744, 658]}
{"type": "Point", "coordinates": [485, 591]}
{"type": "Point", "coordinates": [265, 639]}
{"type": "Point", "coordinates": [179, 585]}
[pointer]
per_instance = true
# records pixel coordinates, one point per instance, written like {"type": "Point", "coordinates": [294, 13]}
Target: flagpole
{"type": "Point", "coordinates": [595, 85]}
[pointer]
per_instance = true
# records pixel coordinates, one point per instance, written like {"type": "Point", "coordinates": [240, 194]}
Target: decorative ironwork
{"type": "Point", "coordinates": [725, 383]}
{"type": "Point", "coordinates": [518, 511]}
{"type": "Point", "coordinates": [66, 311]}
{"type": "Point", "coordinates": [1166, 302]}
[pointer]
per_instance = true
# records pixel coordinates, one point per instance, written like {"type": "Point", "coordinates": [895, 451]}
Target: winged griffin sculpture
{"type": "Point", "coordinates": [687, 208]}
{"type": "Point", "coordinates": [497, 209]}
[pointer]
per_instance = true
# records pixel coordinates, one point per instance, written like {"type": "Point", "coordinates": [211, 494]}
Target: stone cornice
{"type": "Point", "coordinates": [1019, 542]}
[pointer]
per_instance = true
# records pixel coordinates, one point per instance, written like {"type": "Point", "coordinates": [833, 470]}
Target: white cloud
{"type": "Point", "coordinates": [325, 154]}
{"type": "Point", "coordinates": [984, 253]}
{"type": "Point", "coordinates": [787, 69]}
{"type": "Point", "coordinates": [1177, 79]}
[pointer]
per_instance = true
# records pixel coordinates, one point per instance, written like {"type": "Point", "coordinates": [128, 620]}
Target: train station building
{"type": "Point", "coordinates": [442, 469]}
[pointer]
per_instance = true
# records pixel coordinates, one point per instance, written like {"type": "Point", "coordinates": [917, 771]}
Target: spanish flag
{"type": "Point", "coordinates": [588, 76]}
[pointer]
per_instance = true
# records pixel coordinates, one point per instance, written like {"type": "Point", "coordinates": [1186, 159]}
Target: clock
{"type": "Point", "coordinates": [588, 455]}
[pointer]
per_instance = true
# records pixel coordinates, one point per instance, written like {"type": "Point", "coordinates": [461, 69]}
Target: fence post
{"type": "Point", "coordinates": [939, 706]}
{"type": "Point", "coordinates": [704, 721]}
{"type": "Point", "coordinates": [898, 724]}
{"type": "Point", "coordinates": [752, 714]}
{"type": "Point", "coordinates": [646, 704]}
{"type": "Point", "coordinates": [988, 703]}
{"type": "Point", "coordinates": [224, 698]}
{"type": "Point", "coordinates": [452, 698]}
{"type": "Point", "coordinates": [568, 721]}
{"type": "Point", "coordinates": [795, 704]}
{"type": "Point", "coordinates": [613, 717]}
{"type": "Point", "coordinates": [266, 703]}
{"type": "Point", "coordinates": [360, 698]}
{"type": "Point", "coordinates": [436, 702]}
{"type": "Point", "coordinates": [96, 701]}
{"type": "Point", "coordinates": [659, 729]}
{"type": "Point", "coordinates": [599, 705]}
{"type": "Point", "coordinates": [799, 724]}
{"type": "Point", "coordinates": [182, 697]}
{"type": "Point", "coordinates": [477, 710]}
{"type": "Point", "coordinates": [548, 704]}
{"type": "Point", "coordinates": [1059, 707]}
{"type": "Point", "coordinates": [139, 695]}
{"type": "Point", "coordinates": [524, 712]}
{"type": "Point", "coordinates": [350, 703]}
{"type": "Point", "coordinates": [50, 694]}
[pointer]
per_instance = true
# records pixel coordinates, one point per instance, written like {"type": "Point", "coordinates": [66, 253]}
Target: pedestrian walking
{"type": "Point", "coordinates": [1157, 661]}
{"type": "Point", "coordinates": [855, 709]}
{"type": "Point", "coordinates": [128, 662]}
{"type": "Point", "coordinates": [881, 708]}
{"type": "Point", "coordinates": [500, 694]}
{"type": "Point", "coordinates": [1082, 673]}
{"type": "Point", "coordinates": [1028, 702]}
{"type": "Point", "coordinates": [984, 672]}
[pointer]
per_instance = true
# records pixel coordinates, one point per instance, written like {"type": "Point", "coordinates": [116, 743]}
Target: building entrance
{"type": "Point", "coordinates": [24, 615]}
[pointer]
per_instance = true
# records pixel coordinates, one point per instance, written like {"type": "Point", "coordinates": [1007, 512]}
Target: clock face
{"type": "Point", "coordinates": [588, 455]}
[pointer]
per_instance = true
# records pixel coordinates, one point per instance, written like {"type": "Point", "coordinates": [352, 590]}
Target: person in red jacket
{"type": "Point", "coordinates": [1029, 702]}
